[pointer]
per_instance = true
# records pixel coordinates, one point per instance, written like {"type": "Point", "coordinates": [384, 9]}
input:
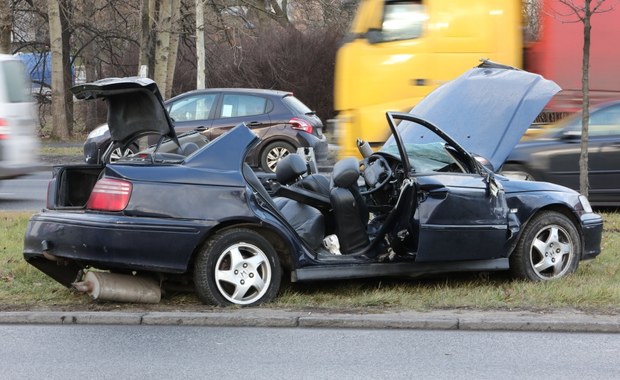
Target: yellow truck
{"type": "Point", "coordinates": [400, 50]}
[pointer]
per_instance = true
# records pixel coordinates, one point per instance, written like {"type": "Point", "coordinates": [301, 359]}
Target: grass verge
{"type": "Point", "coordinates": [595, 287]}
{"type": "Point", "coordinates": [49, 150]}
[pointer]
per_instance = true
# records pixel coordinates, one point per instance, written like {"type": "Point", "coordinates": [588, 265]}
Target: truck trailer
{"type": "Point", "coordinates": [397, 51]}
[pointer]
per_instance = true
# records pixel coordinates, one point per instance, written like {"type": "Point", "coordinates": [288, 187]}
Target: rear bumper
{"type": "Point", "coordinates": [319, 145]}
{"type": "Point", "coordinates": [61, 243]}
{"type": "Point", "coordinates": [592, 230]}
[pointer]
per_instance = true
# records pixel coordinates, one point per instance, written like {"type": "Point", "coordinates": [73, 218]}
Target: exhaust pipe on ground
{"type": "Point", "coordinates": [105, 286]}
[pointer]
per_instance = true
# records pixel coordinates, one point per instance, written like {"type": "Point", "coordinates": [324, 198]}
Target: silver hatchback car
{"type": "Point", "coordinates": [19, 144]}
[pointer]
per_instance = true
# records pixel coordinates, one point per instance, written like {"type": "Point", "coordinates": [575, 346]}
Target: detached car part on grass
{"type": "Point", "coordinates": [427, 205]}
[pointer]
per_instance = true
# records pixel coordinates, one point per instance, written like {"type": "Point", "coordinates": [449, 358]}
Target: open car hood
{"type": "Point", "coordinates": [135, 107]}
{"type": "Point", "coordinates": [486, 110]}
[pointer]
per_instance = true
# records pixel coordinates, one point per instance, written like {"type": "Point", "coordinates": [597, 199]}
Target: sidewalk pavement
{"type": "Point", "coordinates": [556, 321]}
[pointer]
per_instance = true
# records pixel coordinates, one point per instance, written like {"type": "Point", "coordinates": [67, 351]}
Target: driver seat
{"type": "Point", "coordinates": [349, 209]}
{"type": "Point", "coordinates": [292, 170]}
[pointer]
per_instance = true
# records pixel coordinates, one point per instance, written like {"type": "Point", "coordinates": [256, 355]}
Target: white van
{"type": "Point", "coordinates": [19, 144]}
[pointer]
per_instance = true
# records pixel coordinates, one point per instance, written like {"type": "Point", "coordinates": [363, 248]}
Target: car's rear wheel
{"type": "Point", "coordinates": [549, 248]}
{"type": "Point", "coordinates": [517, 171]}
{"type": "Point", "coordinates": [237, 267]}
{"type": "Point", "coordinates": [273, 153]}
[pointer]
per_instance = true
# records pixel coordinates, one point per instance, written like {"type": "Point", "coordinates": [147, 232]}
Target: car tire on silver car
{"type": "Point", "coordinates": [237, 266]}
{"type": "Point", "coordinates": [549, 248]}
{"type": "Point", "coordinates": [273, 153]}
{"type": "Point", "coordinates": [120, 152]}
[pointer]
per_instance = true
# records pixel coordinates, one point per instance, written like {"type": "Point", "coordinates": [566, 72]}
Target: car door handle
{"type": "Point", "coordinates": [254, 123]}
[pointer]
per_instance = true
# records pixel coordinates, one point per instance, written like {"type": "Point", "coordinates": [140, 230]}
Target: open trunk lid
{"type": "Point", "coordinates": [135, 107]}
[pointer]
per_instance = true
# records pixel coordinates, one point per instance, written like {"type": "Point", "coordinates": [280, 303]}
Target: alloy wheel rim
{"type": "Point", "coordinates": [118, 153]}
{"type": "Point", "coordinates": [274, 156]}
{"type": "Point", "coordinates": [242, 274]}
{"type": "Point", "coordinates": [551, 252]}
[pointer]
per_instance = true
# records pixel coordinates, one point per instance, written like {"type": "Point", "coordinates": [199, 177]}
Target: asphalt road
{"type": "Point", "coordinates": [24, 193]}
{"type": "Point", "coordinates": [182, 352]}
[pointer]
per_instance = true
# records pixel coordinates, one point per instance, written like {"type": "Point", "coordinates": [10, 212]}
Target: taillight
{"type": "Point", "coordinates": [109, 195]}
{"type": "Point", "coordinates": [301, 125]}
{"type": "Point", "coordinates": [4, 130]}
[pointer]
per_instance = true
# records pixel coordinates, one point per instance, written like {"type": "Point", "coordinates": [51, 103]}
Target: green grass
{"type": "Point", "coordinates": [61, 151]}
{"type": "Point", "coordinates": [20, 283]}
{"type": "Point", "coordinates": [595, 287]}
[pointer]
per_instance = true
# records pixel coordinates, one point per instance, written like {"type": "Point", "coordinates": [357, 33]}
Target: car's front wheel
{"type": "Point", "coordinates": [549, 248]}
{"type": "Point", "coordinates": [237, 267]}
{"type": "Point", "coordinates": [273, 153]}
{"type": "Point", "coordinates": [120, 152]}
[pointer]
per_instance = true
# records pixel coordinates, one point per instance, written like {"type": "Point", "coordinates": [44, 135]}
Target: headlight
{"type": "Point", "coordinates": [585, 203]}
{"type": "Point", "coordinates": [99, 131]}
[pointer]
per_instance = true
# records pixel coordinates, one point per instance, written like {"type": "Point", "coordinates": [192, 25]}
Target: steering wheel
{"type": "Point", "coordinates": [376, 172]}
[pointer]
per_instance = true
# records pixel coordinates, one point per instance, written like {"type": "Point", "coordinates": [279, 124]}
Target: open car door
{"type": "Point", "coordinates": [459, 203]}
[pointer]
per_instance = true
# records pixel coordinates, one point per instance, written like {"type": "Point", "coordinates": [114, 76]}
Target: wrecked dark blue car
{"type": "Point", "coordinates": [194, 213]}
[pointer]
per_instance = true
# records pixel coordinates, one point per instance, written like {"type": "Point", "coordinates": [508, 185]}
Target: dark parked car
{"type": "Point", "coordinates": [554, 157]}
{"type": "Point", "coordinates": [426, 204]}
{"type": "Point", "coordinates": [282, 122]}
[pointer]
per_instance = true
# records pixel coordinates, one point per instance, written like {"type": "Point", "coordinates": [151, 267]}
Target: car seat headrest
{"type": "Point", "coordinates": [346, 172]}
{"type": "Point", "coordinates": [290, 168]}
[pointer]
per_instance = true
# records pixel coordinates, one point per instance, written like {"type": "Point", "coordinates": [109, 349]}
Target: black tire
{"type": "Point", "coordinates": [517, 171]}
{"type": "Point", "coordinates": [251, 278]}
{"type": "Point", "coordinates": [273, 153]}
{"type": "Point", "coordinates": [549, 248]}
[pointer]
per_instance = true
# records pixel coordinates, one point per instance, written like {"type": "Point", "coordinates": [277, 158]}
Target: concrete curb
{"type": "Point", "coordinates": [570, 321]}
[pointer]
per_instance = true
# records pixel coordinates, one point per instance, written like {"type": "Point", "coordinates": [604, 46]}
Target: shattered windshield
{"type": "Point", "coordinates": [426, 150]}
{"type": "Point", "coordinates": [424, 157]}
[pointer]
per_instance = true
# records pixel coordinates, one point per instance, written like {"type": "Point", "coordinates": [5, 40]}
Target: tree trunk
{"type": "Point", "coordinates": [147, 43]}
{"type": "Point", "coordinates": [174, 46]}
{"type": "Point", "coordinates": [88, 62]}
{"type": "Point", "coordinates": [162, 46]}
{"type": "Point", "coordinates": [67, 71]}
{"type": "Point", "coordinates": [585, 88]}
{"type": "Point", "coordinates": [59, 115]}
{"type": "Point", "coordinates": [6, 25]}
{"type": "Point", "coordinates": [201, 56]}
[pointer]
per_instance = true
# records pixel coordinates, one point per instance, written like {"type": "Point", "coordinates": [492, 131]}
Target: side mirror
{"type": "Point", "coordinates": [374, 36]}
{"type": "Point", "coordinates": [484, 162]}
